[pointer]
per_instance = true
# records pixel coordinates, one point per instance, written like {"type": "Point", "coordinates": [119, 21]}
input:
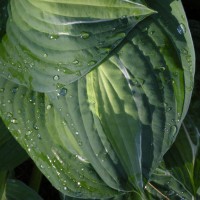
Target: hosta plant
{"type": "Point", "coordinates": [95, 91]}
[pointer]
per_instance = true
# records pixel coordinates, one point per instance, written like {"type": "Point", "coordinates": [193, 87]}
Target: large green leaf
{"type": "Point", "coordinates": [42, 132]}
{"type": "Point", "coordinates": [107, 146]}
{"type": "Point", "coordinates": [179, 176]}
{"type": "Point", "coordinates": [60, 41]}
{"type": "Point", "coordinates": [17, 190]}
{"type": "Point", "coordinates": [103, 135]}
{"type": "Point", "coordinates": [183, 159]}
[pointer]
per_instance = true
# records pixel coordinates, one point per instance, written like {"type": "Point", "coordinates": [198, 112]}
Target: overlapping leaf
{"type": "Point", "coordinates": [11, 153]}
{"type": "Point", "coordinates": [30, 119]}
{"type": "Point", "coordinates": [60, 41]}
{"type": "Point", "coordinates": [104, 134]}
{"type": "Point", "coordinates": [179, 176]}
{"type": "Point", "coordinates": [17, 190]}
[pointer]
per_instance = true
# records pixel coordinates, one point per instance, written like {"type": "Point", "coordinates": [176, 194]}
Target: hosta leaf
{"type": "Point", "coordinates": [30, 120]}
{"type": "Point", "coordinates": [164, 185]}
{"type": "Point", "coordinates": [183, 159]}
{"type": "Point", "coordinates": [160, 76]}
{"type": "Point", "coordinates": [103, 135]}
{"type": "Point", "coordinates": [105, 145]}
{"type": "Point", "coordinates": [154, 85]}
{"type": "Point", "coordinates": [179, 177]}
{"type": "Point", "coordinates": [11, 153]}
{"type": "Point", "coordinates": [17, 190]}
{"type": "Point", "coordinates": [60, 41]}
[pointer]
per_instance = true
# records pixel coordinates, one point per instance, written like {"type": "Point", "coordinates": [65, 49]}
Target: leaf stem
{"type": "Point", "coordinates": [158, 191]}
{"type": "Point", "coordinates": [3, 179]}
{"type": "Point", "coordinates": [36, 178]}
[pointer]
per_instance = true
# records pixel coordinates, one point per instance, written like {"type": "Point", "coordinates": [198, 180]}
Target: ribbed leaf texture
{"type": "Point", "coordinates": [95, 91]}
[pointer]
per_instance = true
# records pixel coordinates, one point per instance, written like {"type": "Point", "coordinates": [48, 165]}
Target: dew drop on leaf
{"type": "Point", "coordinates": [181, 29]}
{"type": "Point", "coordinates": [152, 32]}
{"type": "Point", "coordinates": [85, 35]}
{"type": "Point", "coordinates": [78, 183]}
{"type": "Point", "coordinates": [35, 126]}
{"type": "Point", "coordinates": [173, 130]}
{"type": "Point", "coordinates": [2, 90]}
{"type": "Point", "coordinates": [63, 92]}
{"type": "Point", "coordinates": [169, 109]}
{"type": "Point", "coordinates": [9, 114]}
{"type": "Point", "coordinates": [14, 90]}
{"type": "Point", "coordinates": [92, 62]}
{"type": "Point", "coordinates": [76, 62]}
{"type": "Point", "coordinates": [49, 107]}
{"type": "Point", "coordinates": [45, 55]}
{"type": "Point", "coordinates": [28, 132]}
{"type": "Point", "coordinates": [42, 166]}
{"type": "Point", "coordinates": [56, 78]}
{"type": "Point", "coordinates": [53, 36]}
{"type": "Point", "coordinates": [124, 19]}
{"type": "Point", "coordinates": [14, 121]}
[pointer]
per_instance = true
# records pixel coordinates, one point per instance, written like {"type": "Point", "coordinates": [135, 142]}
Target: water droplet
{"type": "Point", "coordinates": [28, 132]}
{"type": "Point", "coordinates": [2, 89]}
{"type": "Point", "coordinates": [166, 130]}
{"type": "Point", "coordinates": [35, 126]}
{"type": "Point", "coordinates": [76, 133]}
{"type": "Point", "coordinates": [45, 55]}
{"type": "Point", "coordinates": [65, 188]}
{"type": "Point", "coordinates": [76, 62]}
{"type": "Point", "coordinates": [42, 166]}
{"type": "Point", "coordinates": [29, 149]}
{"type": "Point", "coordinates": [14, 121]}
{"type": "Point", "coordinates": [169, 109]}
{"type": "Point", "coordinates": [63, 92]}
{"type": "Point", "coordinates": [31, 64]}
{"type": "Point", "coordinates": [53, 36]}
{"type": "Point", "coordinates": [85, 35]}
{"type": "Point", "coordinates": [124, 20]}
{"type": "Point", "coordinates": [56, 78]}
{"type": "Point", "coordinates": [161, 69]}
{"type": "Point", "coordinates": [173, 131]}
{"type": "Point", "coordinates": [9, 114]}
{"type": "Point", "coordinates": [49, 107]}
{"type": "Point", "coordinates": [165, 104]}
{"type": "Point", "coordinates": [78, 183]}
{"type": "Point", "coordinates": [92, 62]}
{"type": "Point", "coordinates": [39, 136]}
{"type": "Point", "coordinates": [152, 32]}
{"type": "Point", "coordinates": [170, 193]}
{"type": "Point", "coordinates": [181, 29]}
{"type": "Point", "coordinates": [14, 90]}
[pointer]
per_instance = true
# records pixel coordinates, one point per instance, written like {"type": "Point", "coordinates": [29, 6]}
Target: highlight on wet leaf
{"type": "Point", "coordinates": [95, 92]}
